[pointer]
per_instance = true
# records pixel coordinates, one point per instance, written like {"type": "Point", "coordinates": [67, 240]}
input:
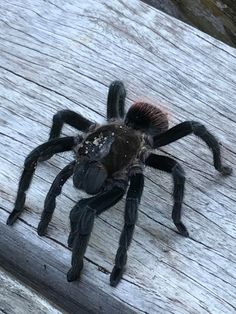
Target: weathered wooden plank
{"type": "Point", "coordinates": [214, 17]}
{"type": "Point", "coordinates": [37, 266]}
{"type": "Point", "coordinates": [56, 55]}
{"type": "Point", "coordinates": [18, 298]}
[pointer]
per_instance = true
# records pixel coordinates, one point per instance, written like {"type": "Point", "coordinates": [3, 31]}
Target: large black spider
{"type": "Point", "coordinates": [107, 158]}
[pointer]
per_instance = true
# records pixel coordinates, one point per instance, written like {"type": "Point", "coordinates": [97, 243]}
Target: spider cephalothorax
{"type": "Point", "coordinates": [108, 158]}
{"type": "Point", "coordinates": [105, 152]}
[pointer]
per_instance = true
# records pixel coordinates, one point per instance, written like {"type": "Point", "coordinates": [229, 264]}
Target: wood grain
{"type": "Point", "coordinates": [18, 298]}
{"type": "Point", "coordinates": [56, 55]}
{"type": "Point", "coordinates": [214, 17]}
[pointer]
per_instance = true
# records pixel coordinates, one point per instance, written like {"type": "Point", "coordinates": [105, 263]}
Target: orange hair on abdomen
{"type": "Point", "coordinates": [147, 118]}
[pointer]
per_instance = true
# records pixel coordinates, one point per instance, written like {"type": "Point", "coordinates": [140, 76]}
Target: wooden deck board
{"type": "Point", "coordinates": [16, 298]}
{"type": "Point", "coordinates": [56, 55]}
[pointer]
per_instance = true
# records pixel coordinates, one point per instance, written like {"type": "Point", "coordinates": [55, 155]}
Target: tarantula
{"type": "Point", "coordinates": [108, 158]}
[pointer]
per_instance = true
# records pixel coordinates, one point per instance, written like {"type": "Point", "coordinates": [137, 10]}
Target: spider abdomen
{"type": "Point", "coordinates": [147, 118]}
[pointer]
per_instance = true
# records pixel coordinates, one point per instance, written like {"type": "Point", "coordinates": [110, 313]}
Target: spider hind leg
{"type": "Point", "coordinates": [116, 100]}
{"type": "Point", "coordinates": [71, 118]}
{"type": "Point", "coordinates": [198, 129]}
{"type": "Point", "coordinates": [66, 117]}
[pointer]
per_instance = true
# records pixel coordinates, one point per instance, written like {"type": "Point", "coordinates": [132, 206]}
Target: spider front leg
{"type": "Point", "coordinates": [116, 100]}
{"type": "Point", "coordinates": [186, 128]}
{"type": "Point", "coordinates": [168, 164]}
{"type": "Point", "coordinates": [82, 219]}
{"type": "Point", "coordinates": [131, 212]}
{"type": "Point", "coordinates": [51, 147]}
{"type": "Point", "coordinates": [50, 201]}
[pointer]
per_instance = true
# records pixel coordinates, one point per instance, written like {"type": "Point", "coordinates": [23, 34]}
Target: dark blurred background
{"type": "Point", "coordinates": [214, 17]}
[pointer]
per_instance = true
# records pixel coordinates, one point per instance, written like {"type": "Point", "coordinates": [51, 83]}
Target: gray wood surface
{"type": "Point", "coordinates": [214, 17]}
{"type": "Point", "coordinates": [16, 298]}
{"type": "Point", "coordinates": [56, 55]}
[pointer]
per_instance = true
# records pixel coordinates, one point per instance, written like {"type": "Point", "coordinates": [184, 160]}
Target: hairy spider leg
{"type": "Point", "coordinates": [50, 200]}
{"type": "Point", "coordinates": [168, 164]}
{"type": "Point", "coordinates": [82, 219]}
{"type": "Point", "coordinates": [131, 212]}
{"type": "Point", "coordinates": [116, 100]}
{"type": "Point", "coordinates": [186, 128]}
{"type": "Point", "coordinates": [52, 147]}
{"type": "Point", "coordinates": [69, 117]}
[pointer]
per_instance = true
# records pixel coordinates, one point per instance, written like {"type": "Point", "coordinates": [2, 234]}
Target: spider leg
{"type": "Point", "coordinates": [50, 201]}
{"type": "Point", "coordinates": [116, 100]}
{"type": "Point", "coordinates": [70, 117]}
{"type": "Point", "coordinates": [131, 212]}
{"type": "Point", "coordinates": [198, 129]}
{"type": "Point", "coordinates": [51, 147]}
{"type": "Point", "coordinates": [82, 219]}
{"type": "Point", "coordinates": [168, 164]}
